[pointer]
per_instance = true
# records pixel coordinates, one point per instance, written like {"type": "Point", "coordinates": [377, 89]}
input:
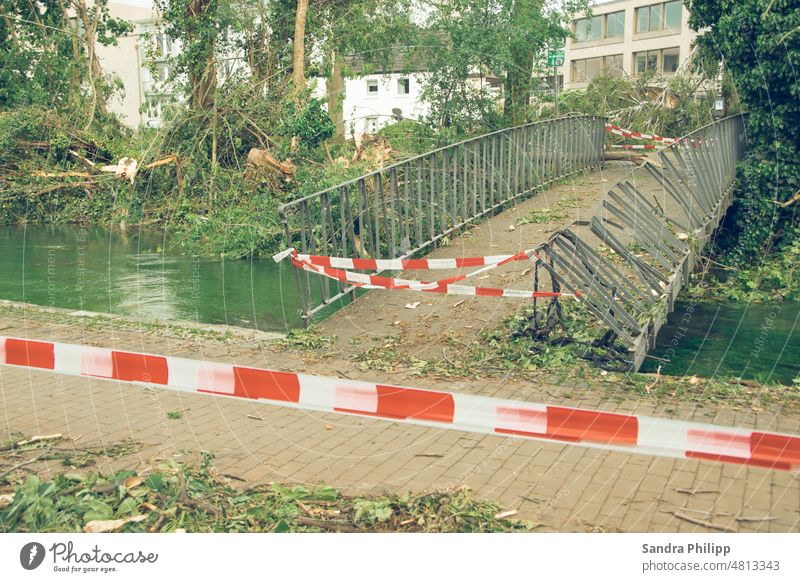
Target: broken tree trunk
{"type": "Point", "coordinates": [263, 159]}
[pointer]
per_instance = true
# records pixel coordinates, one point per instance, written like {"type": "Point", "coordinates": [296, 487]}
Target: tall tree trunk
{"type": "Point", "coordinates": [299, 56]}
{"type": "Point", "coordinates": [203, 82]}
{"type": "Point", "coordinates": [333, 88]}
{"type": "Point", "coordinates": [95, 70]}
{"type": "Point", "coordinates": [518, 80]}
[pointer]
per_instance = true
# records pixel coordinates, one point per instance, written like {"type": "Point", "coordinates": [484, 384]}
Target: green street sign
{"type": "Point", "coordinates": [555, 58]}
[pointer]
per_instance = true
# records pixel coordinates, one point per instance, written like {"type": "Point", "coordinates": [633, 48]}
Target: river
{"type": "Point", "coordinates": [130, 274]}
{"type": "Point", "coordinates": [756, 341]}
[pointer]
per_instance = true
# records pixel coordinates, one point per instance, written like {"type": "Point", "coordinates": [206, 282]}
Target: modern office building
{"type": "Point", "coordinates": [628, 37]}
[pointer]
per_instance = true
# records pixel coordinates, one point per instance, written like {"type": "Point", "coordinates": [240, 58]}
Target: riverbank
{"type": "Point", "coordinates": [206, 201]}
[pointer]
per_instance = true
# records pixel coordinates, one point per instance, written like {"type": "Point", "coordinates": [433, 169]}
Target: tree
{"type": "Point", "coordinates": [49, 61]}
{"type": "Point", "coordinates": [299, 52]}
{"type": "Point", "coordinates": [371, 34]}
{"type": "Point", "coordinates": [759, 41]}
{"type": "Point", "coordinates": [203, 28]}
{"type": "Point", "coordinates": [473, 41]}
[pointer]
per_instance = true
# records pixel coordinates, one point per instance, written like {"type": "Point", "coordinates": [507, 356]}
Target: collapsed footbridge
{"type": "Point", "coordinates": [627, 264]}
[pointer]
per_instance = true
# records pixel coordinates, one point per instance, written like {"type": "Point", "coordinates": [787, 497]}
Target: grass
{"type": "Point", "coordinates": [542, 216]}
{"type": "Point", "coordinates": [197, 498]}
{"type": "Point", "coordinates": [310, 339]}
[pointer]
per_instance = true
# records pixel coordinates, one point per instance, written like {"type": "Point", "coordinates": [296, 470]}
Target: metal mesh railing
{"type": "Point", "coordinates": [398, 211]}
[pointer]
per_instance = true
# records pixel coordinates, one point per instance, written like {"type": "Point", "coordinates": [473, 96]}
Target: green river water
{"type": "Point", "coordinates": [756, 341]}
{"type": "Point", "coordinates": [129, 274]}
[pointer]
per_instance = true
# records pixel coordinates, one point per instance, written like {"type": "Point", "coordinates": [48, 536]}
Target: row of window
{"type": "Point", "coordinates": [588, 69]}
{"type": "Point", "coordinates": [666, 16]}
{"type": "Point", "coordinates": [601, 26]}
{"type": "Point", "coordinates": [403, 86]}
{"type": "Point", "coordinates": [656, 17]}
{"type": "Point", "coordinates": [663, 61]}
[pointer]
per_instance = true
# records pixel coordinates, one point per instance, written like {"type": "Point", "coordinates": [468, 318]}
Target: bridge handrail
{"type": "Point", "coordinates": [413, 204]}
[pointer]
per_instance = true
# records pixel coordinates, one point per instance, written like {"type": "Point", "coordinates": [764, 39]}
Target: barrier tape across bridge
{"type": "Point", "coordinates": [632, 147]}
{"type": "Point", "coordinates": [324, 265]}
{"type": "Point", "coordinates": [464, 412]}
{"type": "Point", "coordinates": [630, 134]}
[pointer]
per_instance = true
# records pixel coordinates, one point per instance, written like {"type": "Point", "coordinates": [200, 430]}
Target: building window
{"type": "Point", "coordinates": [669, 60]}
{"type": "Point", "coordinates": [615, 24]}
{"type": "Point", "coordinates": [666, 16]}
{"type": "Point", "coordinates": [612, 65]}
{"type": "Point", "coordinates": [663, 61]}
{"type": "Point", "coordinates": [672, 15]}
{"type": "Point", "coordinates": [589, 28]}
{"type": "Point", "coordinates": [587, 69]}
{"type": "Point", "coordinates": [371, 124]}
{"type": "Point", "coordinates": [403, 86]}
{"type": "Point", "coordinates": [372, 87]}
{"type": "Point", "coordinates": [600, 26]}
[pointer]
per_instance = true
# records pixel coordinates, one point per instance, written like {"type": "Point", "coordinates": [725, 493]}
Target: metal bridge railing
{"type": "Point", "coordinates": [397, 211]}
{"type": "Point", "coordinates": [655, 225]}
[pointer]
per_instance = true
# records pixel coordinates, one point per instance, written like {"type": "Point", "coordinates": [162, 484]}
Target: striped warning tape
{"type": "Point", "coordinates": [630, 134]}
{"type": "Point", "coordinates": [445, 286]}
{"type": "Point", "coordinates": [410, 264]}
{"type": "Point", "coordinates": [633, 147]}
{"type": "Point", "coordinates": [478, 414]}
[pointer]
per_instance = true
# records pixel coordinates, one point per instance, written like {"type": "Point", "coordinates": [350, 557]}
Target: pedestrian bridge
{"type": "Point", "coordinates": [627, 263]}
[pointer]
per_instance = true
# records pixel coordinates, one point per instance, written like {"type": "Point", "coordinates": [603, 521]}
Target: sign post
{"type": "Point", "coordinates": [555, 58]}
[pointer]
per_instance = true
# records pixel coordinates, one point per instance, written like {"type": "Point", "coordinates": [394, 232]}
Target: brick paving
{"type": "Point", "coordinates": [563, 488]}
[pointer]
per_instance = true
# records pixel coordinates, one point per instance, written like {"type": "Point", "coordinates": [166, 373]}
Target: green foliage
{"type": "Point", "coordinates": [774, 277]}
{"type": "Point", "coordinates": [542, 216]}
{"type": "Point", "coordinates": [306, 339]}
{"type": "Point", "coordinates": [504, 39]}
{"type": "Point", "coordinates": [44, 53]}
{"type": "Point", "coordinates": [668, 106]}
{"type": "Point", "coordinates": [308, 121]}
{"type": "Point", "coordinates": [197, 499]}
{"type": "Point", "coordinates": [410, 138]}
{"type": "Point", "coordinates": [760, 43]}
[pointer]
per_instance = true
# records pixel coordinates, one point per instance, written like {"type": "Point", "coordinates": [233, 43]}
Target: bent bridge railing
{"type": "Point", "coordinates": [413, 205]}
{"type": "Point", "coordinates": [633, 258]}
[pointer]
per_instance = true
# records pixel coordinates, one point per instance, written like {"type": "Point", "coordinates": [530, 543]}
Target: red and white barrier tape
{"type": "Point", "coordinates": [406, 264]}
{"type": "Point", "coordinates": [316, 264]}
{"type": "Point", "coordinates": [630, 134]}
{"type": "Point", "coordinates": [633, 147]}
{"type": "Point", "coordinates": [477, 414]}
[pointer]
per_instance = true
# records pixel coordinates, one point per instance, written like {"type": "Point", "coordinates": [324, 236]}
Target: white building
{"type": "Point", "coordinates": [628, 37]}
{"type": "Point", "coordinates": [374, 101]}
{"type": "Point", "coordinates": [140, 62]}
{"type": "Point", "coordinates": [124, 61]}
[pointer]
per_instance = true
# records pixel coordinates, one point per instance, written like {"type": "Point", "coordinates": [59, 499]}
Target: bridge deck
{"type": "Point", "coordinates": [428, 331]}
